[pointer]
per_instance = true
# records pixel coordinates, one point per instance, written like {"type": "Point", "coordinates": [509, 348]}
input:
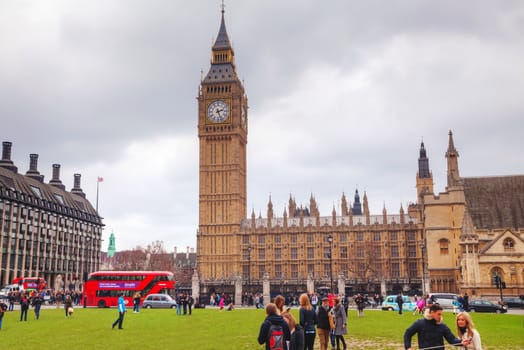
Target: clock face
{"type": "Point", "coordinates": [218, 111]}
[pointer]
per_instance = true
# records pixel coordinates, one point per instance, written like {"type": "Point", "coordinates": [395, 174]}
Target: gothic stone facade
{"type": "Point", "coordinates": [372, 252]}
{"type": "Point", "coordinates": [474, 232]}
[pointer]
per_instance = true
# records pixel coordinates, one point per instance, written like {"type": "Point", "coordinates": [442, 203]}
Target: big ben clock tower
{"type": "Point", "coordinates": [222, 133]}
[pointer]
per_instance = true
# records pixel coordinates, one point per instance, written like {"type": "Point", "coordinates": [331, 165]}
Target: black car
{"type": "Point", "coordinates": [480, 305]}
{"type": "Point", "coordinates": [515, 302]}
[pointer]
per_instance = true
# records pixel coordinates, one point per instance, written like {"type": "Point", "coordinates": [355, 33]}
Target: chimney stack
{"type": "Point", "coordinates": [33, 172]}
{"type": "Point", "coordinates": [76, 187]}
{"type": "Point", "coordinates": [55, 181]}
{"type": "Point", "coordinates": [6, 161]}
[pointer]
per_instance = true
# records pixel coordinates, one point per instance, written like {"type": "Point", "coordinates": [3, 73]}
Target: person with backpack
{"type": "Point", "coordinates": [274, 331]}
{"type": "Point", "coordinates": [24, 306]}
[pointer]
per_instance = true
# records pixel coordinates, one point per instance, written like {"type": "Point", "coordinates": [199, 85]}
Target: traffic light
{"type": "Point", "coordinates": [496, 280]}
{"type": "Point", "coordinates": [503, 285]}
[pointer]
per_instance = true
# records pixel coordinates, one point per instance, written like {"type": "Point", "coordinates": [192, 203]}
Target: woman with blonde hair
{"type": "Point", "coordinates": [466, 331]}
{"type": "Point", "coordinates": [308, 320]}
{"type": "Point", "coordinates": [297, 332]}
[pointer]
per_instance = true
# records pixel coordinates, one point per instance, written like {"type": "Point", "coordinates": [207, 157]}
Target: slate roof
{"type": "Point", "coordinates": [495, 202]}
{"type": "Point", "coordinates": [20, 188]}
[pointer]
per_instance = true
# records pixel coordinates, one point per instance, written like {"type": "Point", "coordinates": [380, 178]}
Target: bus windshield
{"type": "Point", "coordinates": [103, 287]}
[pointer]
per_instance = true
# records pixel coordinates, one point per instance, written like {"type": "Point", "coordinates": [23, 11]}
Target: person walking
{"type": "Point", "coordinates": [37, 304]}
{"type": "Point", "coordinates": [400, 301]}
{"type": "Point", "coordinates": [431, 332]}
{"type": "Point", "coordinates": [340, 324]}
{"type": "Point", "coordinates": [273, 319]}
{"type": "Point", "coordinates": [361, 304]}
{"type": "Point", "coordinates": [466, 331]}
{"type": "Point", "coordinates": [221, 303]}
{"type": "Point", "coordinates": [68, 306]}
{"type": "Point", "coordinates": [24, 306]}
{"type": "Point", "coordinates": [323, 326]}
{"type": "Point", "coordinates": [308, 320]}
{"type": "Point", "coordinates": [121, 312]}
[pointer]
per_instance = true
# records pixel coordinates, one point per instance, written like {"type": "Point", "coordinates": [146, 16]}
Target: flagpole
{"type": "Point", "coordinates": [97, 185]}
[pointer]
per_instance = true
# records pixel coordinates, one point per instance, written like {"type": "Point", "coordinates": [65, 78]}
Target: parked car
{"type": "Point", "coordinates": [446, 300]}
{"type": "Point", "coordinates": [390, 303]}
{"type": "Point", "coordinates": [158, 301]}
{"type": "Point", "coordinates": [515, 302]}
{"type": "Point", "coordinates": [480, 305]}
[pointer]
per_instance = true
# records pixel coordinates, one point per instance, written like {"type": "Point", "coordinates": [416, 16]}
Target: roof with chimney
{"type": "Point", "coordinates": [495, 202]}
{"type": "Point", "coordinates": [31, 189]}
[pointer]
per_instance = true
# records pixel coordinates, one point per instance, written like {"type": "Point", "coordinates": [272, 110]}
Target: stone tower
{"type": "Point", "coordinates": [222, 133]}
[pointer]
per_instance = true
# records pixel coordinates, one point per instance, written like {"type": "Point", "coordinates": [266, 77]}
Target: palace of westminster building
{"type": "Point", "coordinates": [453, 241]}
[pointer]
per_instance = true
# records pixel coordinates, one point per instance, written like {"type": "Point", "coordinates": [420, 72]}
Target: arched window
{"type": "Point", "coordinates": [509, 244]}
{"type": "Point", "coordinates": [444, 246]}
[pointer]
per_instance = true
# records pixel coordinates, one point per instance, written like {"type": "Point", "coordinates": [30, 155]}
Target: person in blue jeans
{"type": "Point", "coordinates": [121, 312]}
{"type": "Point", "coordinates": [136, 302]}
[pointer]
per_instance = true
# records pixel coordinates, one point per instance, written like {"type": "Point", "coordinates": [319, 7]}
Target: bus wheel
{"type": "Point", "coordinates": [101, 303]}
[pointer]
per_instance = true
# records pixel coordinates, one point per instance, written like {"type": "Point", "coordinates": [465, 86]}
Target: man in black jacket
{"type": "Point", "coordinates": [323, 326]}
{"type": "Point", "coordinates": [273, 318]}
{"type": "Point", "coordinates": [431, 331]}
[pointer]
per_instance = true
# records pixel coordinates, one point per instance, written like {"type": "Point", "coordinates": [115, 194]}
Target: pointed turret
{"type": "Point", "coordinates": [222, 41]}
{"type": "Point", "coordinates": [344, 205]}
{"type": "Point", "coordinates": [222, 58]}
{"type": "Point", "coordinates": [452, 157]}
{"type": "Point", "coordinates": [424, 176]}
{"type": "Point", "coordinates": [366, 207]}
{"type": "Point", "coordinates": [423, 163]}
{"type": "Point", "coordinates": [357, 207]}
{"type": "Point", "coordinates": [292, 207]}
{"type": "Point", "coordinates": [270, 209]}
{"type": "Point", "coordinates": [313, 206]}
{"type": "Point", "coordinates": [402, 220]}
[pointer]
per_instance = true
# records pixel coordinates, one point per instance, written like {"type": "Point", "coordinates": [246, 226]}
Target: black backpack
{"type": "Point", "coordinates": [275, 337]}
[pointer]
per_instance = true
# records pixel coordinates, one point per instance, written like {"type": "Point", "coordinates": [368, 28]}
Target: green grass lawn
{"type": "Point", "coordinates": [210, 329]}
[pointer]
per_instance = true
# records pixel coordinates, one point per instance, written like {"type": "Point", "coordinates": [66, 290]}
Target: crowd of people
{"type": "Point", "coordinates": [35, 299]}
{"type": "Point", "coordinates": [280, 330]}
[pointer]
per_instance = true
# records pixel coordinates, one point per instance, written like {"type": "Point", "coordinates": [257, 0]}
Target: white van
{"type": "Point", "coordinates": [9, 288]}
{"type": "Point", "coordinates": [446, 300]}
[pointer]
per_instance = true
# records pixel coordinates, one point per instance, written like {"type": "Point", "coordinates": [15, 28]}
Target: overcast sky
{"type": "Point", "coordinates": [341, 93]}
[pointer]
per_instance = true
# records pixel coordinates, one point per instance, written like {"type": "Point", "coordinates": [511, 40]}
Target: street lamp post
{"type": "Point", "coordinates": [249, 268]}
{"type": "Point", "coordinates": [422, 247]}
{"type": "Point", "coordinates": [330, 240]}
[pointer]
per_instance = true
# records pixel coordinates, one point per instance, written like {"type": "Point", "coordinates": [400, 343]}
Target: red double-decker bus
{"type": "Point", "coordinates": [103, 288]}
{"type": "Point", "coordinates": [30, 283]}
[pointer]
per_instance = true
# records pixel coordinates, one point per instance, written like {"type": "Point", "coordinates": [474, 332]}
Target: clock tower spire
{"type": "Point", "coordinates": [222, 133]}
